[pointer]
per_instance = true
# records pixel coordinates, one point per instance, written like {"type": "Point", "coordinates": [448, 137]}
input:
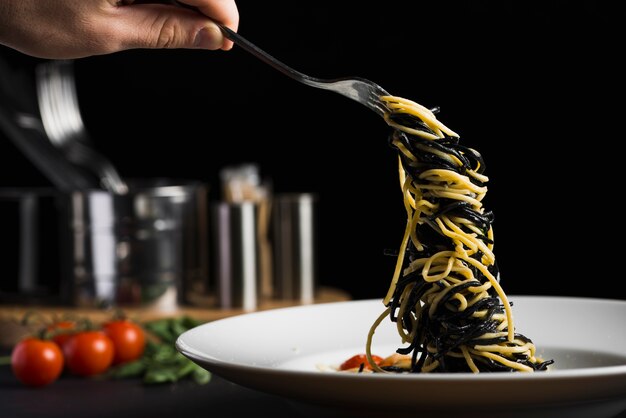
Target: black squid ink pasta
{"type": "Point", "coordinates": [445, 297]}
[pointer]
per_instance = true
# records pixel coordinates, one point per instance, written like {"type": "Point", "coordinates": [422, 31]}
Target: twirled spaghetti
{"type": "Point", "coordinates": [445, 295]}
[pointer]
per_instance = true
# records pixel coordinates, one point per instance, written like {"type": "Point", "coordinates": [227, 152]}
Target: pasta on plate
{"type": "Point", "coordinates": [445, 295]}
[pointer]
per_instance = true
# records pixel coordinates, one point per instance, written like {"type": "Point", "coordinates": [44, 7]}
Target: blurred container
{"type": "Point", "coordinates": [145, 248]}
{"type": "Point", "coordinates": [294, 246]}
{"type": "Point", "coordinates": [30, 246]}
{"type": "Point", "coordinates": [236, 256]}
{"type": "Point", "coordinates": [244, 183]}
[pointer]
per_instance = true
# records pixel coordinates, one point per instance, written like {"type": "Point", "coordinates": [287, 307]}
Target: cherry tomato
{"type": "Point", "coordinates": [61, 332]}
{"type": "Point", "coordinates": [128, 339]}
{"type": "Point", "coordinates": [355, 362]}
{"type": "Point", "coordinates": [88, 353]}
{"type": "Point", "coordinates": [36, 362]}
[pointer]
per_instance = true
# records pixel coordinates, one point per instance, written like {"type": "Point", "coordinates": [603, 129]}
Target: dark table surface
{"type": "Point", "coordinates": [71, 397]}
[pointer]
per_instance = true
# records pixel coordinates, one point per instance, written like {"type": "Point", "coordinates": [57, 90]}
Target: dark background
{"type": "Point", "coordinates": [531, 85]}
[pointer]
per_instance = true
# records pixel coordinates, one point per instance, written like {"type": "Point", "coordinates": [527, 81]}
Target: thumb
{"type": "Point", "coordinates": [161, 26]}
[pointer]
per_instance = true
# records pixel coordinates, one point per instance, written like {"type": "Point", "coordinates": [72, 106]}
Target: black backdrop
{"type": "Point", "coordinates": [529, 84]}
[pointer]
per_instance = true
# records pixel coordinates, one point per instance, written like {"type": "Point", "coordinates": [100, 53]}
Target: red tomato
{"type": "Point", "coordinates": [36, 362]}
{"type": "Point", "coordinates": [88, 353]}
{"type": "Point", "coordinates": [355, 362]}
{"type": "Point", "coordinates": [61, 331]}
{"type": "Point", "coordinates": [128, 339]}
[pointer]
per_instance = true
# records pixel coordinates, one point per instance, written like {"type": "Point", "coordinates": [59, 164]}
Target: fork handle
{"type": "Point", "coordinates": [266, 58]}
{"type": "Point", "coordinates": [241, 42]}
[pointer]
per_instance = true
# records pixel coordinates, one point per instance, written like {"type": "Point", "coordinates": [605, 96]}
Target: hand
{"type": "Point", "coordinates": [64, 29]}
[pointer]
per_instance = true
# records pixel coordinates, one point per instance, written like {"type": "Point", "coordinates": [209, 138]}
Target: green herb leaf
{"type": "Point", "coordinates": [185, 369]}
{"type": "Point", "coordinates": [177, 328]}
{"type": "Point", "coordinates": [160, 375]}
{"type": "Point", "coordinates": [161, 329]}
{"type": "Point", "coordinates": [133, 369]}
{"type": "Point", "coordinates": [200, 375]}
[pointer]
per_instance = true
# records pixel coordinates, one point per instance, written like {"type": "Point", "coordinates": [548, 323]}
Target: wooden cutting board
{"type": "Point", "coordinates": [11, 329]}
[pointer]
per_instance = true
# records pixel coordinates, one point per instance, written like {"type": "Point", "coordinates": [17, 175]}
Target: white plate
{"type": "Point", "coordinates": [279, 351]}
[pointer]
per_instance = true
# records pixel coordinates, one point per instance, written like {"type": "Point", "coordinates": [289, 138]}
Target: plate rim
{"type": "Point", "coordinates": [597, 391]}
{"type": "Point", "coordinates": [557, 374]}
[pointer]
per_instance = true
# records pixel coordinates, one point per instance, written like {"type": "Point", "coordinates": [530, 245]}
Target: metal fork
{"type": "Point", "coordinates": [62, 121]}
{"type": "Point", "coordinates": [360, 89]}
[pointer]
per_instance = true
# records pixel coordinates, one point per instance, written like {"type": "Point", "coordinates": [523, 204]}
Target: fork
{"type": "Point", "coordinates": [62, 122]}
{"type": "Point", "coordinates": [359, 89]}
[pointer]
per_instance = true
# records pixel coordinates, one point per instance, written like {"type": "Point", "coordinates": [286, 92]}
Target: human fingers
{"type": "Point", "coordinates": [222, 11]}
{"type": "Point", "coordinates": [163, 26]}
